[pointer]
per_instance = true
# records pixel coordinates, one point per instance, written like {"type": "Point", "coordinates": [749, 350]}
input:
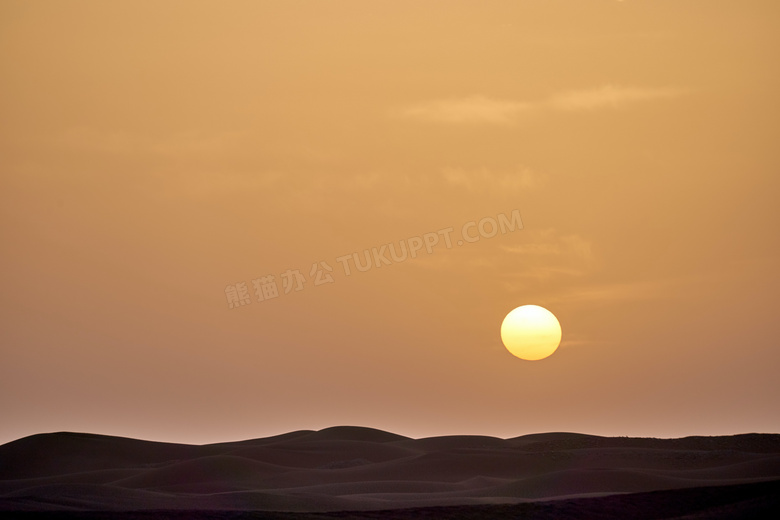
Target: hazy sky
{"type": "Point", "coordinates": [153, 154]}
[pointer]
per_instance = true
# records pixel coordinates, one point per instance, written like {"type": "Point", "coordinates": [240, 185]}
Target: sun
{"type": "Point", "coordinates": [531, 332]}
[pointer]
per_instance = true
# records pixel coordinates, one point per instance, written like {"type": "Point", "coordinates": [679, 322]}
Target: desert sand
{"type": "Point", "coordinates": [354, 472]}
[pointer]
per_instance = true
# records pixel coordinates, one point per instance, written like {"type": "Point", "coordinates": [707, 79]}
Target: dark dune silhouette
{"type": "Point", "coordinates": [337, 470]}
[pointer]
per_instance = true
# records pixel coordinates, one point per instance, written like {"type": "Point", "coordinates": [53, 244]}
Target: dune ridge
{"type": "Point", "coordinates": [363, 469]}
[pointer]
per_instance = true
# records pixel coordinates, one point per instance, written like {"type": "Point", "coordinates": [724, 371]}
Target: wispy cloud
{"type": "Point", "coordinates": [482, 109]}
{"type": "Point", "coordinates": [615, 292]}
{"type": "Point", "coordinates": [546, 255]}
{"type": "Point", "coordinates": [549, 244]}
{"type": "Point", "coordinates": [483, 178]}
{"type": "Point", "coordinates": [607, 96]}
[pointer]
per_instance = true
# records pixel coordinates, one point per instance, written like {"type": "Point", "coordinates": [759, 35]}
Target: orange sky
{"type": "Point", "coordinates": [154, 153]}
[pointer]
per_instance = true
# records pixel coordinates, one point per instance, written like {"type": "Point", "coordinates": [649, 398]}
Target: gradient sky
{"type": "Point", "coordinates": [154, 153]}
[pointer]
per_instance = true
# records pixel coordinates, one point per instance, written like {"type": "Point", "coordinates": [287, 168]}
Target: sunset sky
{"type": "Point", "coordinates": [155, 154]}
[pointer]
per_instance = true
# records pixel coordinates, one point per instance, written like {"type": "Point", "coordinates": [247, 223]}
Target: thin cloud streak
{"type": "Point", "coordinates": [486, 110]}
{"type": "Point", "coordinates": [608, 96]}
{"type": "Point", "coordinates": [615, 292]}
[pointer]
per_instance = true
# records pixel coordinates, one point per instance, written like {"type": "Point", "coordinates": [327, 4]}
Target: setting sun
{"type": "Point", "coordinates": [531, 332]}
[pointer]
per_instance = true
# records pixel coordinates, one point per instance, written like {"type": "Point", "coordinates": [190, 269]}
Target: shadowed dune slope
{"type": "Point", "coordinates": [363, 469]}
{"type": "Point", "coordinates": [753, 501]}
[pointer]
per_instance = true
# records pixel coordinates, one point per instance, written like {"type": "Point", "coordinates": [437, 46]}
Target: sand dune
{"type": "Point", "coordinates": [362, 469]}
